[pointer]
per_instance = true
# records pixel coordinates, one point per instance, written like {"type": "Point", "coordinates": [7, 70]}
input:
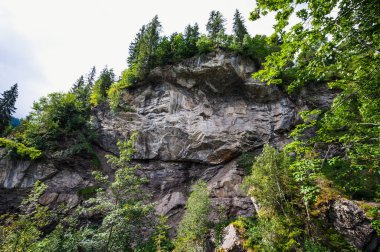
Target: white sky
{"type": "Point", "coordinates": [45, 45]}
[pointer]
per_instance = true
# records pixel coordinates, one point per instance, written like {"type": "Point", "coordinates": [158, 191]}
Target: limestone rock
{"type": "Point", "coordinates": [205, 110]}
{"type": "Point", "coordinates": [65, 179]}
{"type": "Point", "coordinates": [68, 200]}
{"type": "Point", "coordinates": [12, 172]}
{"type": "Point", "coordinates": [170, 202]}
{"type": "Point", "coordinates": [48, 198]}
{"type": "Point", "coordinates": [231, 240]}
{"type": "Point", "coordinates": [350, 220]}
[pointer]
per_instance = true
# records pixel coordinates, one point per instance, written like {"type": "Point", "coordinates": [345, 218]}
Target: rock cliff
{"type": "Point", "coordinates": [194, 121]}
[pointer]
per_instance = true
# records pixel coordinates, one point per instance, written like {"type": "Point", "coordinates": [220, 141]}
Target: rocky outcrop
{"type": "Point", "coordinates": [350, 220]}
{"type": "Point", "coordinates": [206, 110]}
{"type": "Point", "coordinates": [63, 179]}
{"type": "Point", "coordinates": [194, 120]}
{"type": "Point", "coordinates": [231, 240]}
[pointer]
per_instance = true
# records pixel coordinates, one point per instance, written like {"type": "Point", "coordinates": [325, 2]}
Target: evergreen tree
{"type": "Point", "coordinates": [79, 84]}
{"type": "Point", "coordinates": [191, 36]}
{"type": "Point", "coordinates": [99, 92]}
{"type": "Point", "coordinates": [134, 47]}
{"type": "Point", "coordinates": [151, 40]}
{"type": "Point", "coordinates": [91, 77]}
{"type": "Point", "coordinates": [143, 50]}
{"type": "Point", "coordinates": [178, 46]}
{"type": "Point", "coordinates": [239, 28]}
{"type": "Point", "coordinates": [7, 106]}
{"type": "Point", "coordinates": [215, 25]}
{"type": "Point", "coordinates": [164, 51]}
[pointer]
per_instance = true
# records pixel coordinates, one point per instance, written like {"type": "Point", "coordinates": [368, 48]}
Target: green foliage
{"type": "Point", "coordinates": [160, 237]}
{"type": "Point", "coordinates": [334, 43]}
{"type": "Point", "coordinates": [191, 36]}
{"type": "Point", "coordinates": [99, 91]}
{"type": "Point", "coordinates": [245, 161]}
{"type": "Point", "coordinates": [204, 44]}
{"type": "Point", "coordinates": [19, 232]}
{"type": "Point", "coordinates": [376, 225]}
{"type": "Point", "coordinates": [20, 148]}
{"type": "Point", "coordinates": [143, 50]}
{"type": "Point", "coordinates": [270, 182]}
{"type": "Point", "coordinates": [311, 246]}
{"type": "Point", "coordinates": [88, 192]}
{"type": "Point", "coordinates": [82, 89]}
{"type": "Point", "coordinates": [239, 29]}
{"type": "Point", "coordinates": [219, 226]}
{"type": "Point", "coordinates": [7, 107]}
{"type": "Point", "coordinates": [126, 215]}
{"type": "Point", "coordinates": [215, 26]}
{"type": "Point", "coordinates": [65, 237]}
{"type": "Point", "coordinates": [337, 47]}
{"type": "Point", "coordinates": [193, 228]}
{"type": "Point", "coordinates": [57, 117]}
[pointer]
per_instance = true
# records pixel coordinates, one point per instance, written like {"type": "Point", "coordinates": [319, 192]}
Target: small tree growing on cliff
{"type": "Point", "coordinates": [20, 232]}
{"type": "Point", "coordinates": [193, 228]}
{"type": "Point", "coordinates": [122, 204]}
{"type": "Point", "coordinates": [99, 91]}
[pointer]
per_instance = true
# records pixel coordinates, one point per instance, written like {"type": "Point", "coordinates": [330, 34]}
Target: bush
{"type": "Point", "coordinates": [54, 118]}
{"type": "Point", "coordinates": [204, 44]}
{"type": "Point", "coordinates": [115, 92]}
{"type": "Point", "coordinates": [193, 228]}
{"type": "Point", "coordinates": [20, 148]}
{"type": "Point", "coordinates": [99, 91]}
{"type": "Point", "coordinates": [271, 183]}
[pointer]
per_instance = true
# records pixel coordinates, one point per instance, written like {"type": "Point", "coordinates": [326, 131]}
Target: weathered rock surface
{"type": "Point", "coordinates": [231, 240]}
{"type": "Point", "coordinates": [350, 220]}
{"type": "Point", "coordinates": [63, 181]}
{"type": "Point", "coordinates": [205, 110]}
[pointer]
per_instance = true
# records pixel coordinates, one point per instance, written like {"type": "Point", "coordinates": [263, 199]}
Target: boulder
{"type": "Point", "coordinates": [231, 240]}
{"type": "Point", "coordinates": [170, 202]}
{"type": "Point", "coordinates": [350, 220]}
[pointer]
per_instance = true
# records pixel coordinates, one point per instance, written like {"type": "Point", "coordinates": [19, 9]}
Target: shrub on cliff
{"type": "Point", "coordinates": [193, 229]}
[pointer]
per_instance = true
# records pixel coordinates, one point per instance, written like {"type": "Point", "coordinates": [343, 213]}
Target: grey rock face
{"type": "Point", "coordinates": [206, 110]}
{"type": "Point", "coordinates": [231, 240]}
{"type": "Point", "coordinates": [17, 178]}
{"type": "Point", "coordinates": [351, 221]}
{"type": "Point", "coordinates": [170, 202]}
{"type": "Point", "coordinates": [194, 119]}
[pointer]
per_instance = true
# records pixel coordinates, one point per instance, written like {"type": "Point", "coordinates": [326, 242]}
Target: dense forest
{"type": "Point", "coordinates": [333, 153]}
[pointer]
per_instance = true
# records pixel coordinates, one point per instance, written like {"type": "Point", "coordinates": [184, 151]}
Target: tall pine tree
{"type": "Point", "coordinates": [239, 29]}
{"type": "Point", "coordinates": [151, 40]}
{"type": "Point", "coordinates": [143, 50]}
{"type": "Point", "coordinates": [7, 106]}
{"type": "Point", "coordinates": [91, 77]}
{"type": "Point", "coordinates": [135, 45]}
{"type": "Point", "coordinates": [191, 36]}
{"type": "Point", "coordinates": [215, 25]}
